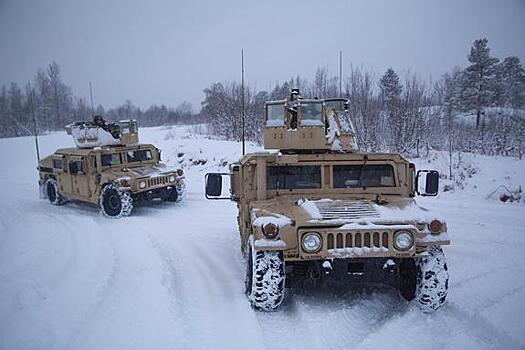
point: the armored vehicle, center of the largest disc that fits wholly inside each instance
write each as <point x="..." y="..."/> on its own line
<point x="110" y="168"/>
<point x="317" y="211"/>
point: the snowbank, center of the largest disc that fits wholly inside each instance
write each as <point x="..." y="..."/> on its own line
<point x="171" y="276"/>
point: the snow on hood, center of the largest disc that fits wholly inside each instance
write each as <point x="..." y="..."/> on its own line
<point x="362" y="211"/>
<point x="148" y="170"/>
<point x="262" y="217"/>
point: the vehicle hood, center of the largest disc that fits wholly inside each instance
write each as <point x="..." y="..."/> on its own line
<point x="338" y="212"/>
<point x="141" y="172"/>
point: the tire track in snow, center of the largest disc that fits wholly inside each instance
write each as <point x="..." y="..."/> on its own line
<point x="475" y="324"/>
<point x="369" y="315"/>
<point x="177" y="300"/>
<point x="209" y="281"/>
<point x="464" y="281"/>
<point x="192" y="287"/>
<point x="106" y="285"/>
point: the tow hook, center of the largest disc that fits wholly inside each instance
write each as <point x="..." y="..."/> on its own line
<point x="389" y="266"/>
<point x="327" y="267"/>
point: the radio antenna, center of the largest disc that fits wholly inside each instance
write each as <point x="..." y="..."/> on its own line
<point x="91" y="98"/>
<point x="34" y="120"/>
<point x="242" y="101"/>
<point x="341" y="73"/>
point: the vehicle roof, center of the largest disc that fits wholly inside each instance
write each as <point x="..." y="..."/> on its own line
<point x="324" y="156"/>
<point x="86" y="151"/>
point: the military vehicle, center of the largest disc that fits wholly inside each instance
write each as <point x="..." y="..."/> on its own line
<point x="317" y="211"/>
<point x="110" y="168"/>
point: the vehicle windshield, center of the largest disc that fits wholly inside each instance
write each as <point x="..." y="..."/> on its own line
<point x="275" y="115"/>
<point x="312" y="114"/>
<point x="373" y="175"/>
<point x="139" y="155"/>
<point x="110" y="159"/>
<point x="293" y="177"/>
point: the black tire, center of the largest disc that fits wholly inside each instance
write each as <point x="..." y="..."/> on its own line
<point x="53" y="195"/>
<point x="266" y="290"/>
<point x="408" y="278"/>
<point x="248" y="268"/>
<point x="171" y="195"/>
<point x="432" y="280"/>
<point x="114" y="202"/>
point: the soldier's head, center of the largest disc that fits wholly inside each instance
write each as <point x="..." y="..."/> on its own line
<point x="98" y="119"/>
<point x="295" y="95"/>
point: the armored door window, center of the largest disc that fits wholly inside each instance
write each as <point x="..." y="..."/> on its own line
<point x="275" y="115"/>
<point x="139" y="156"/>
<point x="312" y="114"/>
<point x="58" y="163"/>
<point x="110" y="159"/>
<point x="128" y="126"/>
<point x="373" y="175"/>
<point x="76" y="166"/>
<point x="293" y="177"/>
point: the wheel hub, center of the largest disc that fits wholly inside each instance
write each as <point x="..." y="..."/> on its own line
<point x="114" y="202"/>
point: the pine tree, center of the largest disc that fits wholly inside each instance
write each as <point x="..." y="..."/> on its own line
<point x="512" y="77"/>
<point x="478" y="81"/>
<point x="391" y="96"/>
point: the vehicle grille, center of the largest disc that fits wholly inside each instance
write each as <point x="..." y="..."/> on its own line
<point x="359" y="240"/>
<point x="158" y="181"/>
<point x="346" y="210"/>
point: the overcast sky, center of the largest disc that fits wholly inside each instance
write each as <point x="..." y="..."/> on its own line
<point x="167" y="51"/>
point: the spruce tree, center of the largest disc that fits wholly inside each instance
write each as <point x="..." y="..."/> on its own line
<point x="512" y="77"/>
<point x="478" y="81"/>
<point x="391" y="96"/>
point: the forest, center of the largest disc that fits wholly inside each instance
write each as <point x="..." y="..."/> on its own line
<point x="478" y="108"/>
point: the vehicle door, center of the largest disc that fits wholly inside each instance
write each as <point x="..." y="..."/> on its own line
<point x="61" y="176"/>
<point x="79" y="173"/>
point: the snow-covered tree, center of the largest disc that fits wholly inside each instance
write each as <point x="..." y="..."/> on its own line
<point x="391" y="90"/>
<point x="511" y="80"/>
<point x="364" y="108"/>
<point x="478" y="81"/>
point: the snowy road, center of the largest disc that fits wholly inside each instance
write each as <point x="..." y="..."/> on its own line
<point x="171" y="275"/>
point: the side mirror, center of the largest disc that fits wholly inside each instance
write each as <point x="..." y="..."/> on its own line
<point x="214" y="185"/>
<point x="427" y="183"/>
<point x="73" y="168"/>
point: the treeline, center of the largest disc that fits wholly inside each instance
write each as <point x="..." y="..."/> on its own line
<point x="477" y="109"/>
<point x="54" y="106"/>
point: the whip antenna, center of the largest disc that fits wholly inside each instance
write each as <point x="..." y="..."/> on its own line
<point x="91" y="98"/>
<point x="34" y="120"/>
<point x="242" y="99"/>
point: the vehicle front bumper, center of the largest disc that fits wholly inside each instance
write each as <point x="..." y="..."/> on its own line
<point x="344" y="272"/>
<point x="161" y="191"/>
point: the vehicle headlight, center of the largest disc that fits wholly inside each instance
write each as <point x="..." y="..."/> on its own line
<point x="172" y="178"/>
<point x="270" y="230"/>
<point x="435" y="227"/>
<point x="142" y="184"/>
<point x="312" y="242"/>
<point x="403" y="240"/>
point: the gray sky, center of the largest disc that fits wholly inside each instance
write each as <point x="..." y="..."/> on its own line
<point x="163" y="51"/>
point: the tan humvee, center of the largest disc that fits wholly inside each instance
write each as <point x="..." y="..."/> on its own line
<point x="108" y="168"/>
<point x="318" y="210"/>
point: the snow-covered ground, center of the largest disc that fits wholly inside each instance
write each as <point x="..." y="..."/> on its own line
<point x="171" y="275"/>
